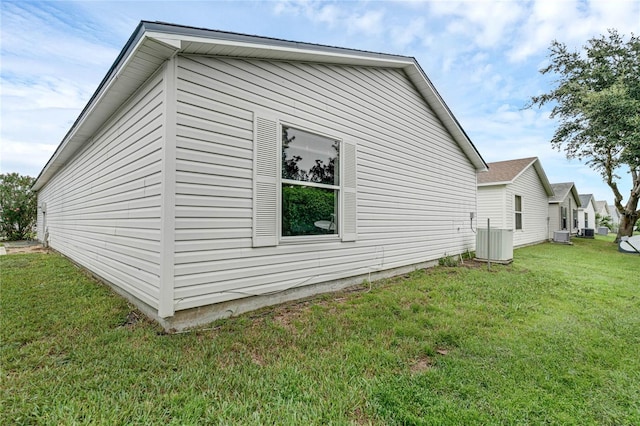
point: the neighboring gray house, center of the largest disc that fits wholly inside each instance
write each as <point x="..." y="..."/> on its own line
<point x="602" y="208"/>
<point x="563" y="208"/>
<point x="212" y="173"/>
<point x="587" y="212"/>
<point x="615" y="217"/>
<point x="514" y="194"/>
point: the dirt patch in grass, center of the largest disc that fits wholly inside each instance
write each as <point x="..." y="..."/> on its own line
<point x="24" y="248"/>
<point x="421" y="364"/>
<point x="474" y="264"/>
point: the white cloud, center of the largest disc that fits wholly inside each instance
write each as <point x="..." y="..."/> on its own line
<point x="402" y="36"/>
<point x="46" y="92"/>
<point x="350" y="16"/>
<point x="483" y="56"/>
<point x="367" y="23"/>
<point x="329" y="14"/>
<point x="51" y="64"/>
<point x="24" y="157"/>
<point x="572" y="22"/>
<point x="487" y="24"/>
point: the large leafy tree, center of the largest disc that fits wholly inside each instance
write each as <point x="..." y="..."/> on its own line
<point x="18" y="206"/>
<point x="596" y="100"/>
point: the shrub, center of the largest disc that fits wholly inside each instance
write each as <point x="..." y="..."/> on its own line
<point x="18" y="206"/>
<point x="302" y="206"/>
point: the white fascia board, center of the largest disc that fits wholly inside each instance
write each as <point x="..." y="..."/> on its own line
<point x="173" y="42"/>
<point x="298" y="53"/>
<point x="524" y="169"/>
<point x="543" y="178"/>
<point x="495" y="183"/>
<point x="576" y="196"/>
<point x="435" y="101"/>
<point x="286" y="50"/>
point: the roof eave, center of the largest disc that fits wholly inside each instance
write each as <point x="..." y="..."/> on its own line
<point x="506" y="182"/>
<point x="175" y="39"/>
<point x="537" y="165"/>
<point x="75" y="137"/>
<point x="576" y="196"/>
<point x="428" y="91"/>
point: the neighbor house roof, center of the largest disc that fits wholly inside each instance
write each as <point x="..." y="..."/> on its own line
<point x="602" y="205"/>
<point x="561" y="192"/>
<point x="505" y="172"/>
<point x="584" y="200"/>
<point x="152" y="43"/>
<point x="613" y="211"/>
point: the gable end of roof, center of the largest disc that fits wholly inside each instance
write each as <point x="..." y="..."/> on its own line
<point x="159" y="41"/>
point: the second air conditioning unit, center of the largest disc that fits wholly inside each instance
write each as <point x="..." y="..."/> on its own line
<point x="561" y="237"/>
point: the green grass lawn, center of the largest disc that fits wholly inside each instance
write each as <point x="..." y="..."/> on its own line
<point x="553" y="338"/>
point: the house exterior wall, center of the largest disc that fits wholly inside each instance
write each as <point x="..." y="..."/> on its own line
<point x="492" y="204"/>
<point x="604" y="210"/>
<point x="497" y="202"/>
<point x="555" y="218"/>
<point x="535" y="203"/>
<point x="591" y="216"/>
<point x="102" y="209"/>
<point x="555" y="215"/>
<point x="573" y="202"/>
<point x="415" y="187"/>
<point x="615" y="217"/>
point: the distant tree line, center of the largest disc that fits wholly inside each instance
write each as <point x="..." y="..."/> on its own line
<point x="18" y="207"/>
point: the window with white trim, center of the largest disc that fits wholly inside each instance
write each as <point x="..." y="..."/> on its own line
<point x="563" y="212"/>
<point x="310" y="183"/>
<point x="304" y="184"/>
<point x="518" y="211"/>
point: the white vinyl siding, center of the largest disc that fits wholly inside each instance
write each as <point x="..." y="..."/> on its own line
<point x="555" y="215"/>
<point x="492" y="205"/>
<point x="590" y="212"/>
<point x="103" y="207"/>
<point x="497" y="202"/>
<point x="555" y="219"/>
<point x="413" y="191"/>
<point x="535" y="210"/>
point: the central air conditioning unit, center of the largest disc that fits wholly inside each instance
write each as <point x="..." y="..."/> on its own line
<point x="603" y="230"/>
<point x="588" y="232"/>
<point x="561" y="237"/>
<point x="495" y="245"/>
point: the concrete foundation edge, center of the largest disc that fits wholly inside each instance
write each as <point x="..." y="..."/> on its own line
<point x="195" y="317"/>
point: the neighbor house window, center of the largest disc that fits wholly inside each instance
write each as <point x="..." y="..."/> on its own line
<point x="310" y="183"/>
<point x="586" y="219"/>
<point x="563" y="213"/>
<point x="518" y="210"/>
<point x="575" y="218"/>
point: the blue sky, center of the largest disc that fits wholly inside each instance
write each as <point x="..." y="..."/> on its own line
<point x="483" y="57"/>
